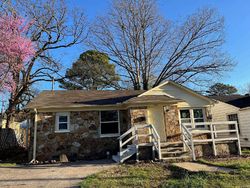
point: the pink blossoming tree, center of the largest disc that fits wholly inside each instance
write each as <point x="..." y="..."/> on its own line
<point x="15" y="50"/>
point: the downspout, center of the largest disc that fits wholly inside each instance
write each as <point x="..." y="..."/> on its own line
<point x="35" y="138"/>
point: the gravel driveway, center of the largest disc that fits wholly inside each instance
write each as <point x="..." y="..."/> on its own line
<point x="53" y="175"/>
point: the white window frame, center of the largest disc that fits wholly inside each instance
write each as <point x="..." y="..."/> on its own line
<point x="191" y="111"/>
<point x="118" y="121"/>
<point x="238" y="121"/>
<point x="58" y="114"/>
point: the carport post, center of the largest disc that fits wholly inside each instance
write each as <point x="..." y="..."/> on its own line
<point x="34" y="143"/>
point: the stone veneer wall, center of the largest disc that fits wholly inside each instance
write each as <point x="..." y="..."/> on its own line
<point x="223" y="149"/>
<point x="139" y="117"/>
<point x="83" y="140"/>
<point x="172" y="125"/>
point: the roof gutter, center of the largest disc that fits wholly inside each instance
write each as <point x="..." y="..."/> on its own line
<point x="246" y="108"/>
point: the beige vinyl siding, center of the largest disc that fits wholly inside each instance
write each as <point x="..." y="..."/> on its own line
<point x="191" y="100"/>
<point x="244" y="116"/>
<point x="219" y="112"/>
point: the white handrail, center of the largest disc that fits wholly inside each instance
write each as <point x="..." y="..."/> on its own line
<point x="211" y="129"/>
<point x="208" y="123"/>
<point x="126" y="133"/>
<point x="189" y="139"/>
<point x="158" y="139"/>
<point x="154" y="138"/>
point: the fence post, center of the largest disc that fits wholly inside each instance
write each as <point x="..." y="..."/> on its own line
<point x="213" y="141"/>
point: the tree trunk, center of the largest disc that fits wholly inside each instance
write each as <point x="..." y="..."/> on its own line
<point x="9" y="113"/>
<point x="137" y="86"/>
<point x="145" y="86"/>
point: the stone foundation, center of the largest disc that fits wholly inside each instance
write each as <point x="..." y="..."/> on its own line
<point x="223" y="149"/>
<point x="82" y="142"/>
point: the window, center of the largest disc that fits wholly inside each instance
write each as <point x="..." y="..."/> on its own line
<point x="198" y="117"/>
<point x="62" y="122"/>
<point x="192" y="116"/>
<point x="109" y="121"/>
<point x="233" y="117"/>
<point x="185" y="116"/>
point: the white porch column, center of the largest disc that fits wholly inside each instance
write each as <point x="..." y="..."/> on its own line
<point x="35" y="137"/>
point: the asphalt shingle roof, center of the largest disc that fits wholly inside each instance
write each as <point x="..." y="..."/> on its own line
<point x="80" y="98"/>
<point x="239" y="101"/>
<point x="66" y="98"/>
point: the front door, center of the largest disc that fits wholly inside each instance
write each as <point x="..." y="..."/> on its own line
<point x="172" y="123"/>
<point x="156" y="118"/>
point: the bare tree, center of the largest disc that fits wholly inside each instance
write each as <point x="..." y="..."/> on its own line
<point x="195" y="50"/>
<point x="145" y="45"/>
<point x="134" y="36"/>
<point x="54" y="26"/>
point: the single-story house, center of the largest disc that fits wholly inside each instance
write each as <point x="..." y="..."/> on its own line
<point x="234" y="108"/>
<point x="166" y="122"/>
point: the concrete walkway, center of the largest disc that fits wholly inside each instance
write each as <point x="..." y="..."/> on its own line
<point x="53" y="175"/>
<point x="197" y="167"/>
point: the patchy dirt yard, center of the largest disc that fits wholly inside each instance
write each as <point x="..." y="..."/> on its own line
<point x="167" y="175"/>
<point x="54" y="175"/>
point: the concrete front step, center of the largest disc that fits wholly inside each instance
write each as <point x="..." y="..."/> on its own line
<point x="174" y="154"/>
<point x="172" y="149"/>
<point x="171" y="144"/>
<point x="177" y="159"/>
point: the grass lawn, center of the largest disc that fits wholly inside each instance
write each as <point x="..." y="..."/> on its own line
<point x="163" y="175"/>
<point x="246" y="151"/>
<point x="7" y="164"/>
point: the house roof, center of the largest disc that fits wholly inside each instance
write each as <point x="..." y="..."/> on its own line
<point x="78" y="98"/>
<point x="152" y="99"/>
<point x="239" y="101"/>
<point x="226" y="98"/>
<point x="105" y="98"/>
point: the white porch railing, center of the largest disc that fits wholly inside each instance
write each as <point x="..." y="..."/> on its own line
<point x="218" y="131"/>
<point x="132" y="137"/>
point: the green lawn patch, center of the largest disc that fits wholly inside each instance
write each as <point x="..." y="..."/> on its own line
<point x="7" y="164"/>
<point x="162" y="175"/>
<point x="137" y="175"/>
<point x="239" y="163"/>
<point x="246" y="151"/>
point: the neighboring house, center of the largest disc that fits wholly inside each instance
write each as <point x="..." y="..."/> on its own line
<point x="18" y="127"/>
<point x="234" y="108"/>
<point x="97" y="124"/>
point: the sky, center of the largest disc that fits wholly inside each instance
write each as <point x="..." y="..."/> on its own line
<point x="237" y="31"/>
